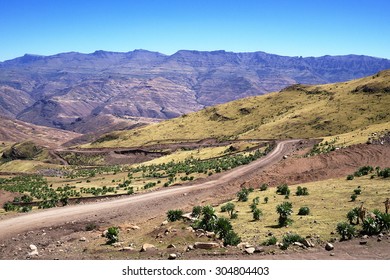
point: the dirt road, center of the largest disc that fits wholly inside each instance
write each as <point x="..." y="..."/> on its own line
<point x="148" y="202"/>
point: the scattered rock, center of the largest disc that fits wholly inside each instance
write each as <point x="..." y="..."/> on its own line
<point x="147" y="247"/>
<point x="190" y="248"/>
<point x="190" y="229"/>
<point x="270" y="233"/>
<point x="380" y="235"/>
<point x="171" y="246"/>
<point x="34" y="251"/>
<point x="299" y="244"/>
<point x="379" y="239"/>
<point x="285" y="157"/>
<point x="206" y="245"/>
<point x="308" y="243"/>
<point x="363" y="242"/>
<point x="172" y="257"/>
<point x="104" y="233"/>
<point x="365" y="237"/>
<point x="329" y="246"/>
<point x="250" y="251"/>
<point x="332" y="254"/>
<point x="243" y="245"/>
<point x="134" y="227"/>
<point x="210" y="234"/>
<point x="164" y="223"/>
<point x="33" y="247"/>
<point x="83" y="239"/>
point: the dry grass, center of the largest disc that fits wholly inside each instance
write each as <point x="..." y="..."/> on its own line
<point x="329" y="201"/>
<point x="297" y="112"/>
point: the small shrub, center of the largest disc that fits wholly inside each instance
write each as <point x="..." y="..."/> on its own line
<point x="290" y="238"/>
<point x="346" y="230"/>
<point x="350" y="177"/>
<point x="196" y="211"/>
<point x="232" y="239"/>
<point x="25" y="209"/>
<point x="130" y="190"/>
<point x="253" y="207"/>
<point x="266" y="199"/>
<point x="284" y="210"/>
<point x="257" y="213"/>
<point x="357" y="191"/>
<point x="371" y="226"/>
<point x="9" y="206"/>
<point x="270" y="241"/>
<point x="174" y="215"/>
<point x="353" y="215"/>
<point x="112" y="235"/>
<point x="383" y="220"/>
<point x="353" y="197"/>
<point x="242" y="195"/>
<point x="302" y="191"/>
<point x="223" y="227"/>
<point x="256" y="200"/>
<point x="263" y="187"/>
<point x="303" y="211"/>
<point x="283" y="189"/>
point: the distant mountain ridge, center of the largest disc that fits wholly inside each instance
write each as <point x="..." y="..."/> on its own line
<point x="61" y="90"/>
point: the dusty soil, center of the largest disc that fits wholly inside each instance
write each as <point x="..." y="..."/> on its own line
<point x="58" y="231"/>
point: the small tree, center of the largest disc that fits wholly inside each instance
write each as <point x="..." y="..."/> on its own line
<point x="230" y="209"/>
<point x="353" y="197"/>
<point x="266" y="199"/>
<point x="232" y="239"/>
<point x="263" y="187"/>
<point x="112" y="235"/>
<point x="222" y="227"/>
<point x="302" y="191"/>
<point x="283" y="189"/>
<point x="257" y="213"/>
<point x="242" y="195"/>
<point x="209" y="218"/>
<point x="284" y="210"/>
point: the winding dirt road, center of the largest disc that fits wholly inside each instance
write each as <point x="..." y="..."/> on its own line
<point x="107" y="209"/>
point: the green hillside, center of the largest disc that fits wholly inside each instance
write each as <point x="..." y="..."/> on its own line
<point x="299" y="111"/>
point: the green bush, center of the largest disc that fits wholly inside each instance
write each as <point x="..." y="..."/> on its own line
<point x="257" y="213"/>
<point x="346" y="230"/>
<point x="222" y="227"/>
<point x="350" y="177"/>
<point x="284" y="210"/>
<point x="174" y="215"/>
<point x="303" y="211"/>
<point x="25" y="209"/>
<point x="232" y="239"/>
<point x="383" y="220"/>
<point x="112" y="235"/>
<point x="263" y="187"/>
<point x="371" y="226"/>
<point x="357" y="191"/>
<point x="283" y="189"/>
<point x="242" y="195"/>
<point x="302" y="191"/>
<point x="270" y="241"/>
<point x="196" y="211"/>
<point x="353" y="197"/>
<point x="353" y="215"/>
<point x="266" y="199"/>
<point x="9" y="206"/>
<point x="208" y="219"/>
<point x="290" y="238"/>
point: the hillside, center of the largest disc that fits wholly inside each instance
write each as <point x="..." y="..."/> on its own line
<point x="68" y="90"/>
<point x="298" y="111"/>
<point x="18" y="131"/>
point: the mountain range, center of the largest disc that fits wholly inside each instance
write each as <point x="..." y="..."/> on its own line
<point x="79" y="92"/>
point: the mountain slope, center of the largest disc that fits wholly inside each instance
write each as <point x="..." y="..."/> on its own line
<point x="18" y="131"/>
<point x="298" y="111"/>
<point x="60" y="89"/>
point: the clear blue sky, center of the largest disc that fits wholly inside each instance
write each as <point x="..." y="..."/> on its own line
<point x="294" y="28"/>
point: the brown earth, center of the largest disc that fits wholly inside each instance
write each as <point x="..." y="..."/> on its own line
<point x="148" y="211"/>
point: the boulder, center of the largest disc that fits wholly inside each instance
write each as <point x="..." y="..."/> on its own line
<point x="33" y="247"/>
<point x="164" y="223"/>
<point x="83" y="239"/>
<point x="250" y="250"/>
<point x="299" y="244"/>
<point x="172" y="257"/>
<point x="363" y="242"/>
<point x="127" y="249"/>
<point x="308" y="243"/>
<point x="135" y="227"/>
<point x="147" y="247"/>
<point x="329" y="246"/>
<point x="190" y="248"/>
<point x="171" y="246"/>
<point x="206" y="245"/>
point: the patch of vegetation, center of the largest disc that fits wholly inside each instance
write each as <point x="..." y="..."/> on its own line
<point x="283" y="189"/>
<point x="302" y="191"/>
<point x="242" y="195"/>
<point x="304" y="211"/>
<point x="290" y="238"/>
<point x="257" y="213"/>
<point x="263" y="187"/>
<point x="284" y="210"/>
<point x="174" y="215"/>
<point x="270" y="241"/>
<point x="347" y="231"/>
<point x="323" y="148"/>
<point x="112" y="235"/>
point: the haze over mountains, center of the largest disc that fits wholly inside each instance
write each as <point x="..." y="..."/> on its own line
<point x="79" y="92"/>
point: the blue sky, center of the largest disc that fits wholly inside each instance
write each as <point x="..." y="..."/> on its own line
<point x="293" y="28"/>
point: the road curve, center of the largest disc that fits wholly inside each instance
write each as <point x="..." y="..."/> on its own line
<point x="57" y="216"/>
